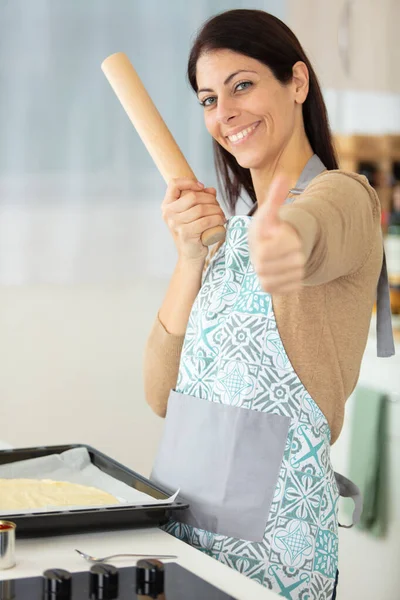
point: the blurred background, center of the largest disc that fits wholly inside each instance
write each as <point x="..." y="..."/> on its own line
<point x="84" y="254"/>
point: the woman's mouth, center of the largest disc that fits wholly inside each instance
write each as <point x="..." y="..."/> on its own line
<point x="243" y="135"/>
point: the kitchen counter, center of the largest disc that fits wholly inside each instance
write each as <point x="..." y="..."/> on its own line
<point x="35" y="555"/>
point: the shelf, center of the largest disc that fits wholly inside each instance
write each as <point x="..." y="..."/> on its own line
<point x="377" y="154"/>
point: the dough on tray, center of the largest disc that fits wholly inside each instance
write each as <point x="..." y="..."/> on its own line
<point x="16" y="494"/>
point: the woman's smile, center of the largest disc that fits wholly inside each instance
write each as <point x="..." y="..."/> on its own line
<point x="241" y="136"/>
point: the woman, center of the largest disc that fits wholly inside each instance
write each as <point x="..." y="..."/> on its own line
<point x="276" y="324"/>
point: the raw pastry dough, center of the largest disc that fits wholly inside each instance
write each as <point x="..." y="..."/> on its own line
<point x="42" y="493"/>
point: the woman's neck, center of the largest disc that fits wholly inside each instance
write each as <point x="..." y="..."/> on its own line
<point x="290" y="162"/>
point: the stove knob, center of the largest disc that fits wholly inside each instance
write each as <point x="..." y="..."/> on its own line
<point x="103" y="582"/>
<point x="57" y="584"/>
<point x="149" y="577"/>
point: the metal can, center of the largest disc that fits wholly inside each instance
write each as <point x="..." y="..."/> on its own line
<point x="7" y="589"/>
<point x="7" y="544"/>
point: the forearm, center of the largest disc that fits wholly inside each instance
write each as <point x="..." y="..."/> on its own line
<point x="183" y="288"/>
<point x="164" y="345"/>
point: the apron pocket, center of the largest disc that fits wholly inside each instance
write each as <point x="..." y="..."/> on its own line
<point x="226" y="462"/>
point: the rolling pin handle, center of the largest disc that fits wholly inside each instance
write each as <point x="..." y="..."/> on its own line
<point x="150" y="126"/>
<point x="213" y="235"/>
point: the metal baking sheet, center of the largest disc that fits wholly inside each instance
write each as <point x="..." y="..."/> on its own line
<point x="75" y="466"/>
<point x="155" y="509"/>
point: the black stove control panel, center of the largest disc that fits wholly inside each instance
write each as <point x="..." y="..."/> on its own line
<point x="150" y="579"/>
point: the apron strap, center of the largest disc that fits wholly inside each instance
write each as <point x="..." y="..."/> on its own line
<point x="348" y="489"/>
<point x="314" y="167"/>
<point x="384" y="332"/>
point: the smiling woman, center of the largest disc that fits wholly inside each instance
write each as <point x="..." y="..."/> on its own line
<point x="253" y="355"/>
<point x="276" y="65"/>
<point x="260" y="107"/>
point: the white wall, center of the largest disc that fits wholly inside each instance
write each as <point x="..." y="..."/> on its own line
<point x="71" y="367"/>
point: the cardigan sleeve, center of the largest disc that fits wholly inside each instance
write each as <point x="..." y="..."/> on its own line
<point x="337" y="218"/>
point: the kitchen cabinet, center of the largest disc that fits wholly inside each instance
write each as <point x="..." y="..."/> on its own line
<point x="353" y="44"/>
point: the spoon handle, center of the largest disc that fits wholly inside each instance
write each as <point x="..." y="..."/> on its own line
<point x="136" y="556"/>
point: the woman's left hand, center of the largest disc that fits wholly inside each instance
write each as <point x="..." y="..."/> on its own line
<point x="276" y="249"/>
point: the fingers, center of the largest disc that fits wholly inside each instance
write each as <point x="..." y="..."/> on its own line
<point x="291" y="262"/>
<point x="197" y="228"/>
<point x="189" y="209"/>
<point x="268" y="213"/>
<point x="278" y="258"/>
<point x="281" y="274"/>
<point x="189" y="200"/>
<point x="278" y="245"/>
<point x="200" y="211"/>
<point x="178" y="185"/>
<point x="282" y="281"/>
<point x="198" y="214"/>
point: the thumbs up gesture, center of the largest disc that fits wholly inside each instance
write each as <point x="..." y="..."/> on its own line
<point x="276" y="249"/>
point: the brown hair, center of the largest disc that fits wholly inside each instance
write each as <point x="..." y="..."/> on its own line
<point x="261" y="36"/>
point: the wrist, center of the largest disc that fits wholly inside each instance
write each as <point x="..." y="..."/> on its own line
<point x="192" y="265"/>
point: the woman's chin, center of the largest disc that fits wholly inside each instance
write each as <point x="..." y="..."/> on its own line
<point x="250" y="162"/>
<point x="249" y="159"/>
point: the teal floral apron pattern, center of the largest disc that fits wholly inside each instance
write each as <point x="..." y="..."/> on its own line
<point x="233" y="355"/>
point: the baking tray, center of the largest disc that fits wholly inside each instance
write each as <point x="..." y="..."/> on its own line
<point x="92" y="519"/>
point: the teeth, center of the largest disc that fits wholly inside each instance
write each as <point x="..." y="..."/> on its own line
<point x="241" y="134"/>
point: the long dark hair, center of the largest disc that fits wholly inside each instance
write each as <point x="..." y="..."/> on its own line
<point x="262" y="36"/>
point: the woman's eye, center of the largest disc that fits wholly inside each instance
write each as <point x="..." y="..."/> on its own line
<point x="239" y="87"/>
<point x="243" y="85"/>
<point x="208" y="101"/>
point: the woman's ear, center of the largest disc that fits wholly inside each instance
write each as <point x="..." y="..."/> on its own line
<point x="300" y="81"/>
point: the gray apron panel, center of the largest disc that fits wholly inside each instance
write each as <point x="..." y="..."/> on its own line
<point x="348" y="489"/>
<point x="207" y="451"/>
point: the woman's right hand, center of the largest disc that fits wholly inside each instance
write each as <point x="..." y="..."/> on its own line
<point x="189" y="209"/>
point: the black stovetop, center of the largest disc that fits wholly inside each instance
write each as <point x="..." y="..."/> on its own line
<point x="179" y="584"/>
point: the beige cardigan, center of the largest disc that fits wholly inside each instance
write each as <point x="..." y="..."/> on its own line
<point x="324" y="327"/>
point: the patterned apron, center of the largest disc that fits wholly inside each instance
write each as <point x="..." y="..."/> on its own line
<point x="245" y="442"/>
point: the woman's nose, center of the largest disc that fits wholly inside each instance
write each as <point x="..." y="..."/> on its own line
<point x="226" y="110"/>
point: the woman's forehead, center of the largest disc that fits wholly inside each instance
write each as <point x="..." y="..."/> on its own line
<point x="216" y="65"/>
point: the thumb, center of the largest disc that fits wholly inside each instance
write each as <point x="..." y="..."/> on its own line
<point x="277" y="194"/>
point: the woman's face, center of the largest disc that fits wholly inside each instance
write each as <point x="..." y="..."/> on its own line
<point x="246" y="109"/>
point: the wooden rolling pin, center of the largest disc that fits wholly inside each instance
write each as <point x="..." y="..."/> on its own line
<point x="149" y="124"/>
